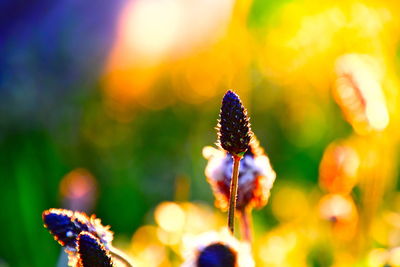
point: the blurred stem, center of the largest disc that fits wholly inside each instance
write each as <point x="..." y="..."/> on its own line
<point x="246" y="224"/>
<point x="119" y="255"/>
<point x="233" y="193"/>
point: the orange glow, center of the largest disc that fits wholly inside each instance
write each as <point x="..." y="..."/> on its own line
<point x="341" y="211"/>
<point x="336" y="207"/>
<point x="79" y="189"/>
<point x="152" y="33"/>
<point x="339" y="168"/>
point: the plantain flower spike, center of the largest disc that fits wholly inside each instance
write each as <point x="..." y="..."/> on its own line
<point x="66" y="225"/>
<point x="92" y="252"/>
<point x="234" y="132"/>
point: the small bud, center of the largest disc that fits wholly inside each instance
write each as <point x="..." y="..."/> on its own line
<point x="92" y="252"/>
<point x="233" y="125"/>
<point x="217" y="255"/>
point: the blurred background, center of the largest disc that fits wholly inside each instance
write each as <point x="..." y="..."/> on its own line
<point x="105" y="107"/>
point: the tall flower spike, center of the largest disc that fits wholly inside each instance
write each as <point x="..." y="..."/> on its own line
<point x="234" y="136"/>
<point x="92" y="252"/>
<point x="66" y="226"/>
<point x="234" y="127"/>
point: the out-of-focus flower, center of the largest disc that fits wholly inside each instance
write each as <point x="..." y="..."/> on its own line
<point x="285" y="245"/>
<point x="92" y="252"/>
<point x="385" y="228"/>
<point x="256" y="177"/>
<point x="78" y="189"/>
<point x="378" y="257"/>
<point x="336" y="208"/>
<point x="234" y="133"/>
<point x="342" y="212"/>
<point x="153" y="245"/>
<point x="216" y="249"/>
<point x="146" y="248"/>
<point x="290" y="203"/>
<point x="339" y="168"/>
<point x="66" y="225"/>
<point x="359" y="93"/>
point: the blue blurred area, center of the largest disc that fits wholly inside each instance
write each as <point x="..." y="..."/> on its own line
<point x="51" y="56"/>
<point x="49" y="51"/>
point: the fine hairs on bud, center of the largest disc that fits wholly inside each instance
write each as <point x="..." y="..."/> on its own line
<point x="66" y="225"/>
<point x="234" y="132"/>
<point x="85" y="239"/>
<point x="92" y="252"/>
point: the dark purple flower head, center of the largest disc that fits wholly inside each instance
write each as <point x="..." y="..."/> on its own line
<point x="66" y="225"/>
<point x="217" y="255"/>
<point x="92" y="252"/>
<point x="234" y="127"/>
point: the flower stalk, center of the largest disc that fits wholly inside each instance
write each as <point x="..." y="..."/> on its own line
<point x="234" y="135"/>
<point x="246" y="224"/>
<point x="233" y="192"/>
<point x="120" y="256"/>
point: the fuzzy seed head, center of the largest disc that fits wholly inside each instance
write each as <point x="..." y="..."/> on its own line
<point x="234" y="131"/>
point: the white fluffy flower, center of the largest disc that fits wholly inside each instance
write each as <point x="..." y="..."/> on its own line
<point x="194" y="246"/>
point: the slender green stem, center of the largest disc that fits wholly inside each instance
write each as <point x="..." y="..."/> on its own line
<point x="233" y="193"/>
<point x="120" y="256"/>
<point x="246" y="224"/>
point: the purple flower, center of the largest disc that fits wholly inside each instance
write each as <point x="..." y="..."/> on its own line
<point x="67" y="225"/>
<point x="234" y="127"/>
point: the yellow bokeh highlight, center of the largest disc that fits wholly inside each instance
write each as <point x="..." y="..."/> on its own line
<point x="170" y="217"/>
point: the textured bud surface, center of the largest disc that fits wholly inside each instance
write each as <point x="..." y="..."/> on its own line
<point x="234" y="126"/>
<point x="66" y="225"/>
<point x="92" y="252"/>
